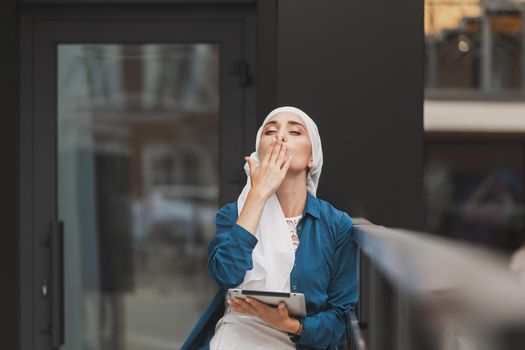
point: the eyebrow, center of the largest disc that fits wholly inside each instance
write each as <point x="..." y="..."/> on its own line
<point x="291" y="122"/>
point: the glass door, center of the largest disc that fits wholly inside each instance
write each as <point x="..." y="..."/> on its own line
<point x="129" y="133"/>
<point x="138" y="184"/>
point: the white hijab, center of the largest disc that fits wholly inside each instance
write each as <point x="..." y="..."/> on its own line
<point x="274" y="256"/>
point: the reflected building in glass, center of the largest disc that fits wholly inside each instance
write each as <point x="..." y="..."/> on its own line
<point x="138" y="189"/>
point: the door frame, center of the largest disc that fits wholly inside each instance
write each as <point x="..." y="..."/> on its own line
<point x="40" y="27"/>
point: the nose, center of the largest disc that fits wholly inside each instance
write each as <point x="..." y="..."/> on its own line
<point x="283" y="136"/>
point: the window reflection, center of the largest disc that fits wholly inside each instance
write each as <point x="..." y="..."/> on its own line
<point x="476" y="199"/>
<point x="138" y="190"/>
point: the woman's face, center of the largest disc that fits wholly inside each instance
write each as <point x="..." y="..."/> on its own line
<point x="292" y="129"/>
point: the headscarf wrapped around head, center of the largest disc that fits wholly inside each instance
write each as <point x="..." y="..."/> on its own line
<point x="273" y="257"/>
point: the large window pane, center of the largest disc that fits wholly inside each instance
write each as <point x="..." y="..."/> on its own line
<point x="138" y="190"/>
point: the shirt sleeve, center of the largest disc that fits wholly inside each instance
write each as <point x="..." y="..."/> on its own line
<point x="230" y="252"/>
<point x="329" y="328"/>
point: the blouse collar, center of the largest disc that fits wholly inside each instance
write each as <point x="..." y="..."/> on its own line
<point x="312" y="206"/>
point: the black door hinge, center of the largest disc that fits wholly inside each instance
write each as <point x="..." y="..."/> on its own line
<point x="242" y="70"/>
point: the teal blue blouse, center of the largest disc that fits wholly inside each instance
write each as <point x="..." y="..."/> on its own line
<point x="326" y="271"/>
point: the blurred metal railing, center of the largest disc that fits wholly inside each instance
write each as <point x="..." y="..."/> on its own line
<point x="423" y="292"/>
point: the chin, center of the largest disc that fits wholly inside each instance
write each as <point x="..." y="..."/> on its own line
<point x="297" y="170"/>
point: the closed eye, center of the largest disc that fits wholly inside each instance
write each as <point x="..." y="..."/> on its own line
<point x="291" y="132"/>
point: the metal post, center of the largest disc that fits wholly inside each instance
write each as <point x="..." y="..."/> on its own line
<point x="522" y="58"/>
<point x="486" y="51"/>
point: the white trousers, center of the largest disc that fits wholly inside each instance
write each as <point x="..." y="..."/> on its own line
<point x="235" y="331"/>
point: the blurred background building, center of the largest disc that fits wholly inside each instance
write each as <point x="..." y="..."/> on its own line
<point x="474" y="109"/>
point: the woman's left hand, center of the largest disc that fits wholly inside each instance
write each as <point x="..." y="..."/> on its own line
<point x="276" y="317"/>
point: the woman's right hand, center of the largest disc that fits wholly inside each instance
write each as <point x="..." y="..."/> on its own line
<point x="268" y="176"/>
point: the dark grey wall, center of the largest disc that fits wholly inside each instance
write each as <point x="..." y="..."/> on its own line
<point x="8" y="176"/>
<point x="266" y="63"/>
<point x="355" y="66"/>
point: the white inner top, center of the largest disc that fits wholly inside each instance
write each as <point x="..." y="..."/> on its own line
<point x="292" y="227"/>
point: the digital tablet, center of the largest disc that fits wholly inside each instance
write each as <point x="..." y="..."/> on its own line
<point x="294" y="301"/>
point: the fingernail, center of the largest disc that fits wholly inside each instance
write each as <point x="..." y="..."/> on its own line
<point x="249" y="300"/>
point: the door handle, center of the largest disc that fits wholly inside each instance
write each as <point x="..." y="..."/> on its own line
<point x="57" y="283"/>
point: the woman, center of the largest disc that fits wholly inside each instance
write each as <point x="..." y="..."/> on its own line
<point x="278" y="236"/>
